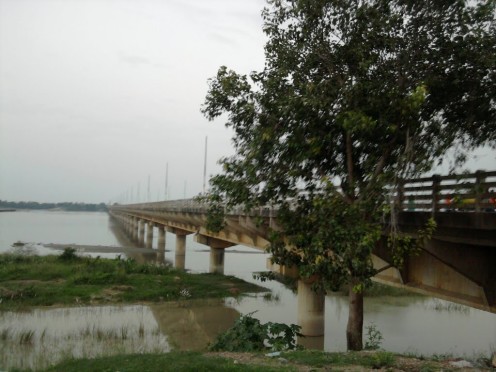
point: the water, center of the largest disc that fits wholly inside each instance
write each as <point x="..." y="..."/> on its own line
<point x="421" y="325"/>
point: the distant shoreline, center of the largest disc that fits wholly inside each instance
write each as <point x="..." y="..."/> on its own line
<point x="7" y="210"/>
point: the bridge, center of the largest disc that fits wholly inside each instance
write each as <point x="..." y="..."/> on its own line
<point x="457" y="264"/>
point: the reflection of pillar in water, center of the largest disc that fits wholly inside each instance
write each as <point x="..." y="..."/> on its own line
<point x="161" y="238"/>
<point x="311" y="343"/>
<point x="216" y="260"/>
<point x="310" y="310"/>
<point x="149" y="234"/>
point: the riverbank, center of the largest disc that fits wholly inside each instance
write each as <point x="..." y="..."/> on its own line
<point x="68" y="280"/>
<point x="304" y="360"/>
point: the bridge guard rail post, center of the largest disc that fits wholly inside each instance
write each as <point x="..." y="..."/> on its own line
<point x="436" y="186"/>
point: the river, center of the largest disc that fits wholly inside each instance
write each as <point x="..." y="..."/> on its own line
<point x="409" y="324"/>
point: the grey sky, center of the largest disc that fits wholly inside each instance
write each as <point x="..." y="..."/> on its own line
<point x="97" y="95"/>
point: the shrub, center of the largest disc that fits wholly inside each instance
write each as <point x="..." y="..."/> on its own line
<point x="248" y="334"/>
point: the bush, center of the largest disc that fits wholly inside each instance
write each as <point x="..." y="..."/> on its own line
<point x="248" y="334"/>
<point x="69" y="254"/>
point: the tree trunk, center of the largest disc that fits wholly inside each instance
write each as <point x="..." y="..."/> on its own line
<point x="354" y="330"/>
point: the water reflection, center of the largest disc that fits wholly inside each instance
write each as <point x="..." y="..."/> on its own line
<point x="41" y="337"/>
<point x="38" y="338"/>
<point x="193" y="325"/>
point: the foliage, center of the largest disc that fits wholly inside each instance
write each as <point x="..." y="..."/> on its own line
<point x="354" y="97"/>
<point x="403" y="246"/>
<point x="216" y="213"/>
<point x="248" y="334"/>
<point x="374" y="337"/>
<point x="66" y="206"/>
<point x="68" y="254"/>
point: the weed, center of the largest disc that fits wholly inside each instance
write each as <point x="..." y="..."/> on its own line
<point x="248" y="334"/>
<point x="381" y="359"/>
<point x="374" y="337"/>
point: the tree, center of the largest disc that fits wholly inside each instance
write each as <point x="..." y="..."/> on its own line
<point x="354" y="96"/>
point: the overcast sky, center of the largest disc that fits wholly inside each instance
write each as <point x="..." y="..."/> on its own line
<point x="98" y="95"/>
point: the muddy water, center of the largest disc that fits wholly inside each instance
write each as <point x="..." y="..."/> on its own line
<point x="408" y="324"/>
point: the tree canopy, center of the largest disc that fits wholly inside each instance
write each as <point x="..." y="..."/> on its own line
<point x="354" y="96"/>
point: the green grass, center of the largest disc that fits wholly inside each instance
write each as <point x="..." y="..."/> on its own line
<point x="49" y="280"/>
<point x="174" y="361"/>
<point x="195" y="361"/>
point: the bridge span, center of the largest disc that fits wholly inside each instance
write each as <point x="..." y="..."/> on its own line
<point x="458" y="264"/>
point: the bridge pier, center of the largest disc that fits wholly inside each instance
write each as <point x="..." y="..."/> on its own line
<point x="217" y="247"/>
<point x="216" y="261"/>
<point x="180" y="252"/>
<point x="135" y="232"/>
<point x="311" y="305"/>
<point x="161" y="238"/>
<point x="149" y="234"/>
<point x="141" y="231"/>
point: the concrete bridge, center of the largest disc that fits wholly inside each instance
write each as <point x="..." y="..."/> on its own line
<point x="457" y="264"/>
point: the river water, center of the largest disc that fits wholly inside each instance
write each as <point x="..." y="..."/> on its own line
<point x="409" y="324"/>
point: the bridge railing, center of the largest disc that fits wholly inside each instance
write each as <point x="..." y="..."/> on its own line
<point x="462" y="192"/>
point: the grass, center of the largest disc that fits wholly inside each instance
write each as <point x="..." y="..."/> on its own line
<point x="287" y="361"/>
<point x="174" y="361"/>
<point x="27" y="281"/>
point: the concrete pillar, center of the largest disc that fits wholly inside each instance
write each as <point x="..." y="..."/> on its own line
<point x="216" y="260"/>
<point x="180" y="244"/>
<point x="180" y="257"/>
<point x="129" y="225"/>
<point x="149" y="234"/>
<point x="161" y="238"/>
<point x="180" y="262"/>
<point x="141" y="233"/>
<point x="311" y="314"/>
<point x="135" y="234"/>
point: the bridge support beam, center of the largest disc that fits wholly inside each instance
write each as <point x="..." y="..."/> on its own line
<point x="149" y="234"/>
<point x="180" y="253"/>
<point x="217" y="247"/>
<point x="311" y="305"/>
<point x="216" y="261"/>
<point x="161" y="238"/>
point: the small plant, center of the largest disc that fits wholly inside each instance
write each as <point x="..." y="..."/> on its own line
<point x="382" y="359"/>
<point x="69" y="254"/>
<point x="374" y="337"/>
<point x="248" y="334"/>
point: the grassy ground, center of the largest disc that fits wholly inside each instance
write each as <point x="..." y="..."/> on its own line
<point x="288" y="361"/>
<point x="27" y="281"/>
